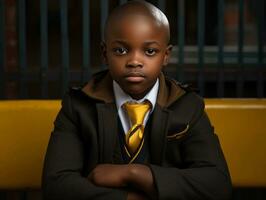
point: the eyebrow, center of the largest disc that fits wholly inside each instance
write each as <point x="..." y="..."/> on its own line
<point x="124" y="42"/>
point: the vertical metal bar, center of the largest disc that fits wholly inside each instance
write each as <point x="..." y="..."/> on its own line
<point x="44" y="48"/>
<point x="22" y="48"/>
<point x="23" y="195"/>
<point x="122" y="1"/>
<point x="86" y="40"/>
<point x="104" y="14"/>
<point x="161" y="4"/>
<point x="2" y="50"/>
<point x="260" y="27"/>
<point x="201" y="42"/>
<point x="240" y="78"/>
<point x="64" y="44"/>
<point x="3" y="194"/>
<point x="181" y="39"/>
<point x="220" y="17"/>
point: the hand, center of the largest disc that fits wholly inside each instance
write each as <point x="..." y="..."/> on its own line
<point x="108" y="175"/>
<point x="140" y="177"/>
<point x="133" y="175"/>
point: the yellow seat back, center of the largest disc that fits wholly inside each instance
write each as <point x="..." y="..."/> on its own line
<point x="25" y="128"/>
<point x="241" y="127"/>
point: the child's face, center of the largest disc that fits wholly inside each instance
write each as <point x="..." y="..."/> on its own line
<point x="135" y="51"/>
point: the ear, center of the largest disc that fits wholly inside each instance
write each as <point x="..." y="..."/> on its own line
<point x="104" y="53"/>
<point x="167" y="54"/>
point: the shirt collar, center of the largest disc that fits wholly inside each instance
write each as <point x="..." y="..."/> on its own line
<point x="121" y="97"/>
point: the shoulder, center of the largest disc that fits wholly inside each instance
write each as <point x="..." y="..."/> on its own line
<point x="189" y="96"/>
<point x="75" y="101"/>
<point x="75" y="95"/>
<point x="191" y="100"/>
<point x="188" y="108"/>
<point x="181" y="95"/>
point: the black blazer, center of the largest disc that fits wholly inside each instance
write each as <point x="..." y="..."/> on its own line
<point x="185" y="155"/>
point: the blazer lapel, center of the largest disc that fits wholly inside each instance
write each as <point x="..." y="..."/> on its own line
<point x="107" y="121"/>
<point x="159" y="129"/>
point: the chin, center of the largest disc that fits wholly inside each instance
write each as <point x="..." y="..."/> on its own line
<point x="136" y="94"/>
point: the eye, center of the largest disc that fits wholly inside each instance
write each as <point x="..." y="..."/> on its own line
<point x="120" y="50"/>
<point x="150" y="52"/>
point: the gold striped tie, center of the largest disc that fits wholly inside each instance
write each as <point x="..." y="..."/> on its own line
<point x="134" y="137"/>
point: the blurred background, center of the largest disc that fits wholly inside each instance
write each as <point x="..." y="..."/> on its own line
<point x="47" y="46"/>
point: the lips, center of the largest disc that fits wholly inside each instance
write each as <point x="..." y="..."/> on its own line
<point x="134" y="77"/>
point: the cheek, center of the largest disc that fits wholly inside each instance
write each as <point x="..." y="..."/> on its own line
<point x="116" y="61"/>
<point x="156" y="64"/>
<point x="116" y="68"/>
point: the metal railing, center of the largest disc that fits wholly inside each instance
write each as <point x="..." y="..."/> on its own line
<point x="182" y="65"/>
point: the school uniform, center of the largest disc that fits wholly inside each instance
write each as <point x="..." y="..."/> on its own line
<point x="180" y="145"/>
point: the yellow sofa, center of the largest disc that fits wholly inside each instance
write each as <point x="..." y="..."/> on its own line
<point x="25" y="127"/>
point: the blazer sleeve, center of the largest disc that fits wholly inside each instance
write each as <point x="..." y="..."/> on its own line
<point x="205" y="174"/>
<point x="64" y="162"/>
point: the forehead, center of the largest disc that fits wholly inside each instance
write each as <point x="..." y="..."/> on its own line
<point x="135" y="26"/>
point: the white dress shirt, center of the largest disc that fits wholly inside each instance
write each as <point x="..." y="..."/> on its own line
<point x="121" y="97"/>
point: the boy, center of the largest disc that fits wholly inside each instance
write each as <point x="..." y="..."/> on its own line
<point x="131" y="132"/>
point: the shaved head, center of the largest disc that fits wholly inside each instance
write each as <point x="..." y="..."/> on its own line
<point x="138" y="10"/>
<point x="135" y="46"/>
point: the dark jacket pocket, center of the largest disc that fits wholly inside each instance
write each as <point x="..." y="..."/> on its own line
<point x="177" y="134"/>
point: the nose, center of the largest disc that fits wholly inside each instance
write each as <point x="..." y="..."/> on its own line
<point x="134" y="60"/>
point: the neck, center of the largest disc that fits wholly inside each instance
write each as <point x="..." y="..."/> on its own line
<point x="141" y="95"/>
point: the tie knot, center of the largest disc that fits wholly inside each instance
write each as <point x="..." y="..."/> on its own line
<point x="137" y="111"/>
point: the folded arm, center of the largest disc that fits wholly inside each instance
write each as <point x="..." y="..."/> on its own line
<point x="134" y="176"/>
<point x="63" y="173"/>
<point x="204" y="173"/>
